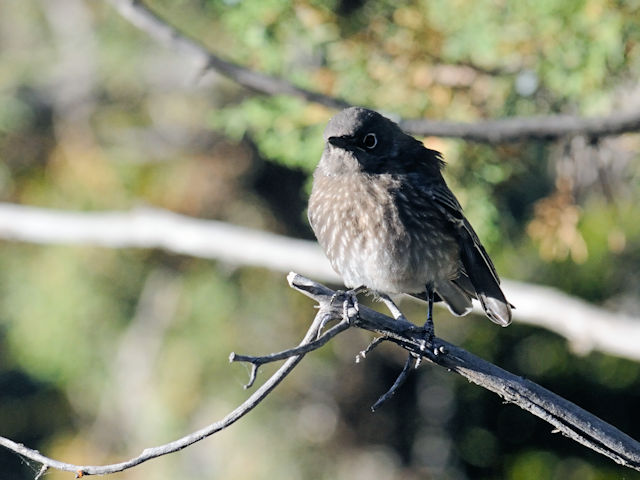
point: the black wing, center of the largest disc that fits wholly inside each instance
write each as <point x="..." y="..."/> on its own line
<point x="477" y="264"/>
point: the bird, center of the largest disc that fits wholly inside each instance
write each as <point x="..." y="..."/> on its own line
<point x="389" y="224"/>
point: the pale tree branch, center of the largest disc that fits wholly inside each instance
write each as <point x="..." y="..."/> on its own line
<point x="566" y="417"/>
<point x="585" y="326"/>
<point x="511" y="129"/>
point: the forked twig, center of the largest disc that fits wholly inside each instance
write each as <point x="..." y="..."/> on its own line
<point x="179" y="444"/>
<point x="302" y="349"/>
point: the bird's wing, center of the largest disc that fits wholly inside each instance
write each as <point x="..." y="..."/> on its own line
<point x="477" y="264"/>
<point x="449" y="205"/>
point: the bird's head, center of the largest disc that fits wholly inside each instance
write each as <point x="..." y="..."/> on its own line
<point x="361" y="140"/>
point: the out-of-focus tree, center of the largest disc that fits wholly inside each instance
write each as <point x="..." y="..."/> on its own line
<point x="103" y="352"/>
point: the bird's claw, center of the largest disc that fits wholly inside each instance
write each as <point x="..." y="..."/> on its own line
<point x="350" y="305"/>
<point x="427" y="342"/>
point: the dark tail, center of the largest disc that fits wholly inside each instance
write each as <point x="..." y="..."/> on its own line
<point x="483" y="277"/>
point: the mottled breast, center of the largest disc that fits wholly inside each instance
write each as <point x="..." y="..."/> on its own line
<point x="361" y="222"/>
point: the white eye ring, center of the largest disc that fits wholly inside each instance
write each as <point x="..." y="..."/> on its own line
<point x="370" y="141"/>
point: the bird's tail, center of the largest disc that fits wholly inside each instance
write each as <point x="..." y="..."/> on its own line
<point x="458" y="301"/>
<point x="484" y="279"/>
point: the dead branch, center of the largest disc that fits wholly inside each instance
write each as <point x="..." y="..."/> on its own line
<point x="512" y="129"/>
<point x="566" y="417"/>
<point x="585" y="326"/>
<point x="153" y="452"/>
<point x="146" y="20"/>
<point x="490" y="131"/>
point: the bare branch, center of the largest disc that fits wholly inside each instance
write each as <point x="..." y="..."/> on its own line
<point x="142" y="17"/>
<point x="492" y="131"/>
<point x="404" y="374"/>
<point x="256" y="362"/>
<point x="362" y="354"/>
<point x="512" y="129"/>
<point x="566" y="417"/>
<point x="42" y="471"/>
<point x="154" y="452"/>
<point x="586" y="326"/>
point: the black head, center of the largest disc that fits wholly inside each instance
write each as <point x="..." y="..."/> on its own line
<point x="359" y="139"/>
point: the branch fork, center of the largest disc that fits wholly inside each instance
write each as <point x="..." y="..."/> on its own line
<point x="566" y="417"/>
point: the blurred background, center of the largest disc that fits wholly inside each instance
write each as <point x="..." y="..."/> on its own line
<point x="104" y="352"/>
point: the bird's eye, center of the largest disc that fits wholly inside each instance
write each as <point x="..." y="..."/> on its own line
<point x="370" y="141"/>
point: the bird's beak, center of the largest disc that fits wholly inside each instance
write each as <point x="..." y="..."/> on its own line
<point x="340" y="142"/>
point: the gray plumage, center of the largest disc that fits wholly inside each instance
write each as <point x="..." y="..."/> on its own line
<point x="386" y="219"/>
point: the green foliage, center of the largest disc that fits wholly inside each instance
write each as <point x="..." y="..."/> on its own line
<point x="284" y="129"/>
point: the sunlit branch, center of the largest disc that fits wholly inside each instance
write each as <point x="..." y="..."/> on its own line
<point x="585" y="326"/>
<point x="567" y="418"/>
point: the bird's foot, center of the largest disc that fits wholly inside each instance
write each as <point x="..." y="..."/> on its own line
<point x="427" y="342"/>
<point x="350" y="305"/>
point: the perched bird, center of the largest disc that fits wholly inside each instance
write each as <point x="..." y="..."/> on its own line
<point x="389" y="224"/>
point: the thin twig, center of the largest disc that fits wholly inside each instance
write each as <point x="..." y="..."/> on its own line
<point x="42" y="471"/>
<point x="404" y="374"/>
<point x="362" y="354"/>
<point x="154" y="452"/>
<point x="256" y="362"/>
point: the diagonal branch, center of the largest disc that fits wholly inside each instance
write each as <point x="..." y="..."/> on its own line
<point x="154" y="452"/>
<point x="141" y="16"/>
<point x="566" y="417"/>
<point x="489" y="131"/>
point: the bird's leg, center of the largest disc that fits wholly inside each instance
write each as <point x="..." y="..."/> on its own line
<point x="429" y="330"/>
<point x="393" y="308"/>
